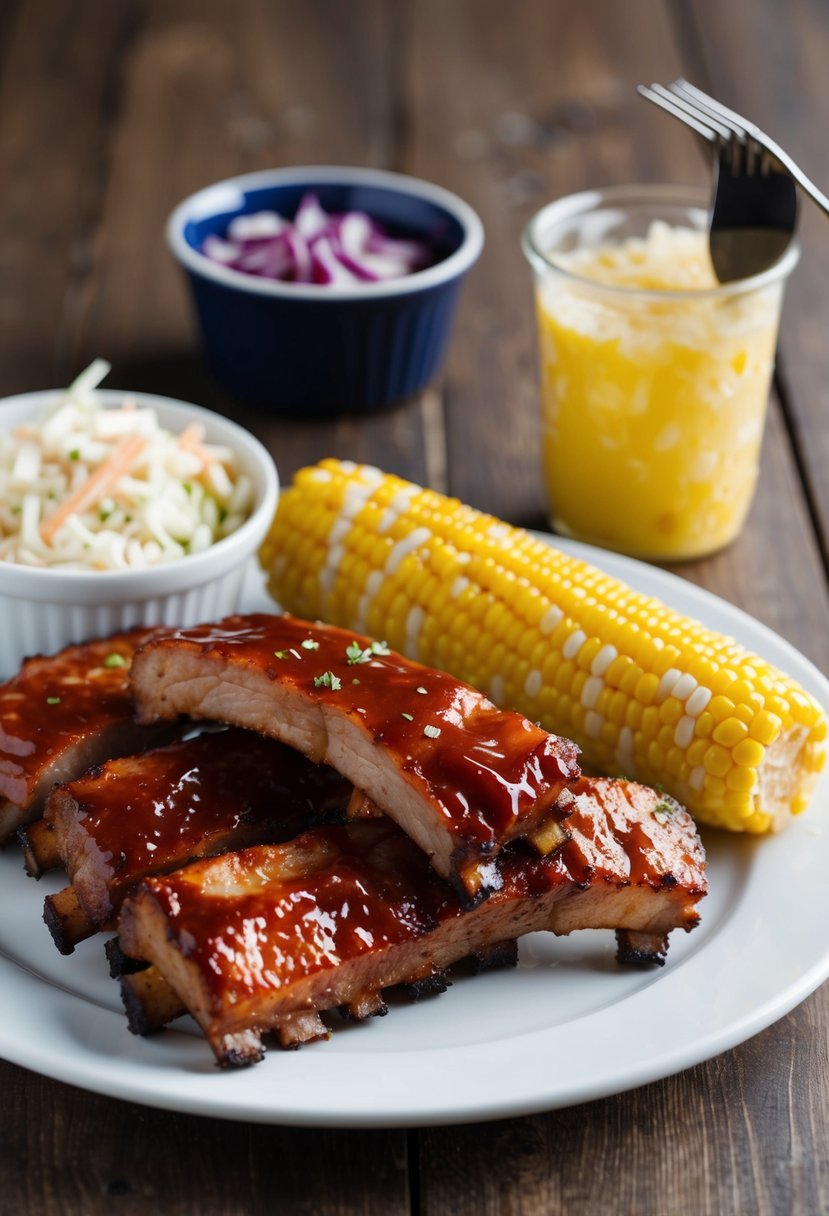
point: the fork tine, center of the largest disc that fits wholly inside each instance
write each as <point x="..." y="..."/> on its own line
<point x="710" y="109"/>
<point x="771" y="159"/>
<point x="693" y="111"/>
<point x="670" y="107"/>
<point x="756" y="152"/>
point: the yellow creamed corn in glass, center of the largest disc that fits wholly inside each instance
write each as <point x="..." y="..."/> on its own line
<point x="644" y="691"/>
<point x="652" y="406"/>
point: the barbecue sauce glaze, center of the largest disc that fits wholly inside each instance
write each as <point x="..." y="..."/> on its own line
<point x="194" y="798"/>
<point x="263" y="919"/>
<point x="56" y="702"/>
<point x="492" y="773"/>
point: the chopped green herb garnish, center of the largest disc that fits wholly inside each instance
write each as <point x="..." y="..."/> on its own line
<point x="310" y="644"/>
<point x="431" y="732"/>
<point x="115" y="660"/>
<point x="188" y="489"/>
<point x="408" y="717"/>
<point x="328" y="680"/>
<point x="664" y="807"/>
<point x="53" y="700"/>
<point x="104" y="515"/>
<point x="355" y="653"/>
<point x="280" y="654"/>
<point x="75" y="454"/>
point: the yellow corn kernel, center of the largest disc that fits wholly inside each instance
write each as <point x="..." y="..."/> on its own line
<point x="545" y="633"/>
<point x="646" y="688"/>
<point x="696" y="751"/>
<point x="670" y="711"/>
<point x="650" y="721"/>
<point x="721" y="708"/>
<point x="705" y="725"/>
<point x="739" y="778"/>
<point x="616" y="706"/>
<point x="766" y="727"/>
<point x="749" y="753"/>
<point x="730" y="732"/>
<point x="673" y="761"/>
<point x="717" y="760"/>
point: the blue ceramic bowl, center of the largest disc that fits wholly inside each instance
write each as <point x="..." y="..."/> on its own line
<point x="311" y="349"/>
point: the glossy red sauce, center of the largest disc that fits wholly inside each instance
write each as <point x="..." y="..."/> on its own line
<point x="619" y="832"/>
<point x="490" y="772"/>
<point x="55" y="702"/>
<point x="349" y="890"/>
<point x="197" y="797"/>
<point x="261" y="919"/>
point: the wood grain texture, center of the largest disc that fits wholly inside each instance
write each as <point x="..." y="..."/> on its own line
<point x="211" y="91"/>
<point x="110" y="112"/>
<point x="541" y="104"/>
<point x="57" y="93"/>
<point x="66" y="1151"/>
<point x="785" y="90"/>
<point x="699" y="1142"/>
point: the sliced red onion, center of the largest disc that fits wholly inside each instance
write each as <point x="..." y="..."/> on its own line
<point x="259" y="227"/>
<point x="301" y="256"/>
<point x="220" y="251"/>
<point x="310" y="220"/>
<point x="317" y="247"/>
<point x="328" y="267"/>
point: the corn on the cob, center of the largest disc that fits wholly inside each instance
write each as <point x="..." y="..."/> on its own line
<point x="642" y="690"/>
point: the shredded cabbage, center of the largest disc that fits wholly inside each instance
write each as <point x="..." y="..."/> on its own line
<point x="89" y="487"/>
<point x="317" y="247"/>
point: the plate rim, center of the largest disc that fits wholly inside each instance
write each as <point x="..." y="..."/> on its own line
<point x="139" y="1072"/>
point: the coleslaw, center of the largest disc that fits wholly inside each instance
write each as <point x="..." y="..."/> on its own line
<point x="102" y="488"/>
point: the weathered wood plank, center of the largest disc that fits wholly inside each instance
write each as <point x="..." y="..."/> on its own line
<point x="540" y="104"/>
<point x="112" y="112"/>
<point x="213" y="91"/>
<point x="65" y="1151"/>
<point x="709" y="1140"/>
<point x="722" y="1139"/>
<point x="58" y="98"/>
<point x="786" y="92"/>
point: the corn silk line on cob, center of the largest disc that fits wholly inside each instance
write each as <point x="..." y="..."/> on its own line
<point x="643" y="691"/>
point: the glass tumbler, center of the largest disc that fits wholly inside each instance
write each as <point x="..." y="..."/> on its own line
<point x="654" y="377"/>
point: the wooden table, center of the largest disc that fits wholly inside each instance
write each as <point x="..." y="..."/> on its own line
<point x="113" y="110"/>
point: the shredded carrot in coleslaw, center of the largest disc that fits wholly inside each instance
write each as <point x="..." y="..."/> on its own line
<point x="108" y="488"/>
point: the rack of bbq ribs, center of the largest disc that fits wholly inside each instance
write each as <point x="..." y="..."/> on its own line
<point x="280" y="819"/>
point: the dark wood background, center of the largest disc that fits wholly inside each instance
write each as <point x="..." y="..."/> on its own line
<point x="111" y="111"/>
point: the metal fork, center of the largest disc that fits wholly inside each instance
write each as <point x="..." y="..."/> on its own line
<point x="755" y="201"/>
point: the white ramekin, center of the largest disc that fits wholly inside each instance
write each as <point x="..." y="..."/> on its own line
<point x="42" y="610"/>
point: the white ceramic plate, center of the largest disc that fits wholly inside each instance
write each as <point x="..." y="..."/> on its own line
<point x="568" y="1026"/>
